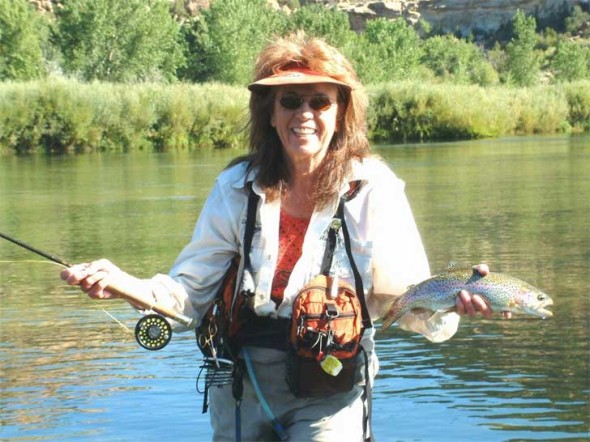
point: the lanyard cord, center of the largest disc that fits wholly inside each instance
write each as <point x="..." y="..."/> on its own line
<point x="339" y="223"/>
<point x="278" y="427"/>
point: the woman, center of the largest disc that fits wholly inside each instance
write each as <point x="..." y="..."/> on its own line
<point x="308" y="147"/>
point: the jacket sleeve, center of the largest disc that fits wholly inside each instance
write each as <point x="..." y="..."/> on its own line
<point x="196" y="275"/>
<point x="399" y="259"/>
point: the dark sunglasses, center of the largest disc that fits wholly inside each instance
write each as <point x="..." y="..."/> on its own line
<point x="318" y="102"/>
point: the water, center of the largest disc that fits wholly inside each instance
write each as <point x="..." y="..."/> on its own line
<point x="69" y="372"/>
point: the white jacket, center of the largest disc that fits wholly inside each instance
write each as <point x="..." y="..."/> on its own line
<point x="385" y="243"/>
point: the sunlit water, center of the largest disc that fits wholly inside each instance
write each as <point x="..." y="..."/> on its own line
<point x="70" y="372"/>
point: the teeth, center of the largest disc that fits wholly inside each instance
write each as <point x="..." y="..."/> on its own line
<point x="303" y="130"/>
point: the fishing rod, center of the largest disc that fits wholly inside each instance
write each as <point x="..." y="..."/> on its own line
<point x="152" y="331"/>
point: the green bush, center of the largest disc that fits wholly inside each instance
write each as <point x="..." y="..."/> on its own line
<point x="111" y="40"/>
<point x="423" y="112"/>
<point x="207" y="116"/>
<point x="388" y="50"/>
<point x="571" y="61"/>
<point x="578" y="98"/>
<point x="222" y="43"/>
<point x="65" y="116"/>
<point x="22" y="36"/>
<point x="458" y="61"/>
<point x="328" y="23"/>
<point x="523" y="63"/>
<point x="539" y="110"/>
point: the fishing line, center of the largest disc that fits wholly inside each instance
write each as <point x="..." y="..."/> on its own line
<point x="31" y="261"/>
<point x="36" y="261"/>
<point x="152" y="331"/>
<point x="35" y="250"/>
<point x="117" y="321"/>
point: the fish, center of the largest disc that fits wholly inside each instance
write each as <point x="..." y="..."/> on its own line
<point x="501" y="291"/>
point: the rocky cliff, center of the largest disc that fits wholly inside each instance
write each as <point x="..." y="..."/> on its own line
<point x="464" y="17"/>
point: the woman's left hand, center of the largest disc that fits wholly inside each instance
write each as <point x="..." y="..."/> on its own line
<point x="471" y="304"/>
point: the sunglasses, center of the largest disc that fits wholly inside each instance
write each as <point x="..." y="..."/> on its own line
<point x="317" y="102"/>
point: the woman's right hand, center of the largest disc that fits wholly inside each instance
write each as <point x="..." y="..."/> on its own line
<point x="94" y="277"/>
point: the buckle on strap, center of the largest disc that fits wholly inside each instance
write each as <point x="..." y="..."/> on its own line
<point x="332" y="311"/>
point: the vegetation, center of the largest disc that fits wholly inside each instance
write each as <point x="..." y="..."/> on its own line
<point x="141" y="74"/>
<point x="68" y="115"/>
<point x="110" y="40"/>
<point x="22" y="36"/>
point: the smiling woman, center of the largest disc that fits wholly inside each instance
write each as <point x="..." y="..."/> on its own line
<point x="305" y="134"/>
<point x="308" y="228"/>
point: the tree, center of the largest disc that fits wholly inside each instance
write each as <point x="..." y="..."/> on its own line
<point x="571" y="61"/>
<point x="577" y="23"/>
<point x="22" y="35"/>
<point x="319" y="21"/>
<point x="120" y="41"/>
<point x="224" y="40"/>
<point x="387" y="50"/>
<point x="458" y="60"/>
<point x="523" y="63"/>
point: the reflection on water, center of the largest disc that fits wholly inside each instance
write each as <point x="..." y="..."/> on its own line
<point x="70" y="372"/>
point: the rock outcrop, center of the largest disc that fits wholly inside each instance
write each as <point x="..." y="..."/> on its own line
<point x="463" y="17"/>
<point x="458" y="16"/>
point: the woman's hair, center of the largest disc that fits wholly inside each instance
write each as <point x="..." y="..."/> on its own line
<point x="298" y="51"/>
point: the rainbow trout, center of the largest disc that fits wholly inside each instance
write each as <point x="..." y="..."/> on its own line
<point x="501" y="291"/>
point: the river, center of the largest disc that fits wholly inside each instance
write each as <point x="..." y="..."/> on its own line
<point x="70" y="369"/>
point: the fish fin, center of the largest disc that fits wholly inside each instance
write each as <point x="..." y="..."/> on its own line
<point x="424" y="311"/>
<point x="455" y="266"/>
<point x="387" y="321"/>
<point x="388" y="314"/>
<point x="461" y="267"/>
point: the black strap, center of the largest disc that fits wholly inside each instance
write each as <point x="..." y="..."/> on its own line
<point x="242" y="288"/>
<point x="368" y="400"/>
<point x="331" y="243"/>
<point x="358" y="282"/>
<point x="250" y="223"/>
<point x="337" y="223"/>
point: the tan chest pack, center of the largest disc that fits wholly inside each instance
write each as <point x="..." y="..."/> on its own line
<point x="328" y="320"/>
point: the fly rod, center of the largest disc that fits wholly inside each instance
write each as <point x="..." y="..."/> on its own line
<point x="34" y="250"/>
<point x="152" y="331"/>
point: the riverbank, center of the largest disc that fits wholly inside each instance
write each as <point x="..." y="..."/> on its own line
<point x="59" y="116"/>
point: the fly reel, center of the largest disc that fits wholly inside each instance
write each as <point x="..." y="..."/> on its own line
<point x="153" y="332"/>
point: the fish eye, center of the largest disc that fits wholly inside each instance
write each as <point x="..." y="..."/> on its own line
<point x="541" y="297"/>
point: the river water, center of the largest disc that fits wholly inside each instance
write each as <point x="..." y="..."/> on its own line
<point x="71" y="371"/>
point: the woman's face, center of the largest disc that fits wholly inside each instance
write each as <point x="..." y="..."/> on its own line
<point x="305" y="132"/>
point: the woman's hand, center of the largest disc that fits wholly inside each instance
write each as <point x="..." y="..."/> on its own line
<point x="93" y="278"/>
<point x="471" y="304"/>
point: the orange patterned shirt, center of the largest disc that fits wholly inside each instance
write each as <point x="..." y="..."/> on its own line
<point x="291" y="235"/>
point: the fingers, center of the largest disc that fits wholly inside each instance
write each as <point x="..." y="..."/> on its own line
<point x="93" y="278"/>
<point x="95" y="284"/>
<point x="482" y="269"/>
<point x="73" y="275"/>
<point x="468" y="304"/>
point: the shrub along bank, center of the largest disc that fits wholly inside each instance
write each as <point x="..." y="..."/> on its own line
<point x="59" y="116"/>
